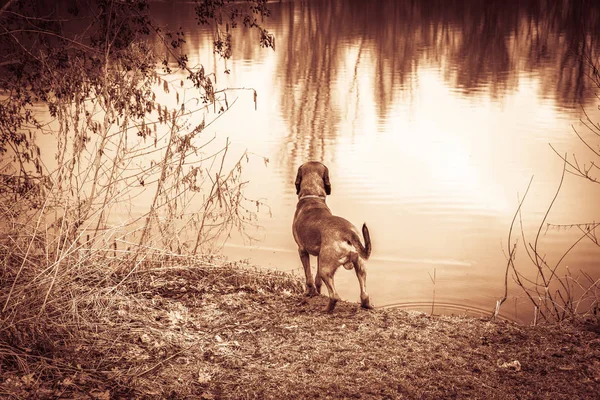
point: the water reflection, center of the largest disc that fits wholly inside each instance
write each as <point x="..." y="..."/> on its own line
<point x="481" y="47"/>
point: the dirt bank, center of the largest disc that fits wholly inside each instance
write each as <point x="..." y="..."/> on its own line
<point x="223" y="332"/>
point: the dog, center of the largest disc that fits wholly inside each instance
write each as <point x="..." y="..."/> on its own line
<point x="333" y="240"/>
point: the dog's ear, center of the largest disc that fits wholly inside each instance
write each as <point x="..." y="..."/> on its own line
<point x="298" y="180"/>
<point x="326" y="182"/>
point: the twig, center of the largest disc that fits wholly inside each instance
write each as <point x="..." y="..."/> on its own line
<point x="511" y="252"/>
<point x="161" y="362"/>
<point x="538" y="260"/>
<point x="12" y="287"/>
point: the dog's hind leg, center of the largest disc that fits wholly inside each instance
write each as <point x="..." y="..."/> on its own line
<point x="333" y="296"/>
<point x="326" y="270"/>
<point x="361" y="274"/>
<point x="310" y="283"/>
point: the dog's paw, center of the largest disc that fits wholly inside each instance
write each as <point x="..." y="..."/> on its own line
<point x="331" y="306"/>
<point x="311" y="292"/>
<point x="366" y="304"/>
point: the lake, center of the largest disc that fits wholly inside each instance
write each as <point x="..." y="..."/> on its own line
<point x="432" y="117"/>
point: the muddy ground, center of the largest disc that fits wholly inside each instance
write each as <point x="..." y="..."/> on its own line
<point x="233" y="333"/>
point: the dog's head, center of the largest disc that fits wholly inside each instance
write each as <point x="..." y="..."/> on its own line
<point x="313" y="177"/>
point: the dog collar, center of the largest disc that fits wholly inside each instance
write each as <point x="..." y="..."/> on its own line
<point x="312" y="196"/>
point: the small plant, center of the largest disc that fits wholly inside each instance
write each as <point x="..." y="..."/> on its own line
<point x="555" y="293"/>
<point x="433" y="278"/>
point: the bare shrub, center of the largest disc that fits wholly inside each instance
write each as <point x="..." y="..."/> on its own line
<point x="558" y="292"/>
<point x="126" y="123"/>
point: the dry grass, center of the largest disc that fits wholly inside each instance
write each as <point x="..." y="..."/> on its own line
<point x="207" y="329"/>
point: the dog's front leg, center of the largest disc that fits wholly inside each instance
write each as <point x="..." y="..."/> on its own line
<point x="310" y="283"/>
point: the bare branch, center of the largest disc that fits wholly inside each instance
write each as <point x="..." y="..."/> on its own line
<point x="6" y="6"/>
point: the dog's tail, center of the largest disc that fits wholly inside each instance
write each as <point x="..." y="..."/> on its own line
<point x="365" y="251"/>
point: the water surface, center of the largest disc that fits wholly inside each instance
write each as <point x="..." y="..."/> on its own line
<point x="432" y="118"/>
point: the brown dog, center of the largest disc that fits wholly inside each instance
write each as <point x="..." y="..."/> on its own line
<point x="333" y="240"/>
